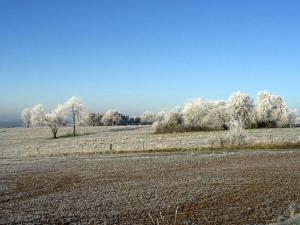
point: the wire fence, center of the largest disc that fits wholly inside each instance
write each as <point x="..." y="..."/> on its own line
<point x="103" y="146"/>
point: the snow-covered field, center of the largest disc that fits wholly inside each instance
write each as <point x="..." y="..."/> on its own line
<point x="27" y="142"/>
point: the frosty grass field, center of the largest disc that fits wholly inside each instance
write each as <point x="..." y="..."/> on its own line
<point x="31" y="142"/>
<point x="86" y="179"/>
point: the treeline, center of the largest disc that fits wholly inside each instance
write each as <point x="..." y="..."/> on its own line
<point x="267" y="111"/>
<point x="115" y="118"/>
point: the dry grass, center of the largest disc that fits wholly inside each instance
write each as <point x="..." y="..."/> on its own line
<point x="292" y="216"/>
<point x="97" y="140"/>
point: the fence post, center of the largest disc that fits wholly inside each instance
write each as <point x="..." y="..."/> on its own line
<point x="180" y="142"/>
<point x="270" y="139"/>
<point x="110" y="146"/>
<point x="222" y="143"/>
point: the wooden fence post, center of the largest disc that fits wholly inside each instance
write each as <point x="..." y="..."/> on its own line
<point x="222" y="143"/>
<point x="110" y="146"/>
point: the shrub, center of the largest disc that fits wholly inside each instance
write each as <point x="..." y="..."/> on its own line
<point x="236" y="132"/>
<point x="169" y="122"/>
<point x="204" y="115"/>
<point x="148" y="118"/>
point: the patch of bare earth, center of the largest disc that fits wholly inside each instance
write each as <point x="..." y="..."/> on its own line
<point x="239" y="188"/>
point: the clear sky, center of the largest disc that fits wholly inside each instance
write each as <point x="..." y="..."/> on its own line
<point x="138" y="55"/>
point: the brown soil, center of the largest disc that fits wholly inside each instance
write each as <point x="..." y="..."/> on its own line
<point x="238" y="188"/>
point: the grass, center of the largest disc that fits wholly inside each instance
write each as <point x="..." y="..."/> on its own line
<point x="36" y="142"/>
<point x="204" y="150"/>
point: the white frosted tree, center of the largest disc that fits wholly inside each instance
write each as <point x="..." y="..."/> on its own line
<point x="26" y="117"/>
<point x="111" y="118"/>
<point x="271" y="111"/>
<point x="236" y="132"/>
<point x="193" y="113"/>
<point x="53" y="120"/>
<point x="148" y="118"/>
<point x="241" y="106"/>
<point x="217" y="116"/>
<point x="76" y="110"/>
<point x="199" y="114"/>
<point x="37" y="115"/>
<point x="168" y="122"/>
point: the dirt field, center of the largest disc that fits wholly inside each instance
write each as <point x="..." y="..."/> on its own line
<point x="230" y="188"/>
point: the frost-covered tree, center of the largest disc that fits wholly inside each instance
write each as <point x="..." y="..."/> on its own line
<point x="199" y="114"/>
<point x="37" y="115"/>
<point x="169" y="122"/>
<point x="271" y="111"/>
<point x="236" y="132"/>
<point x="241" y="106"/>
<point x="53" y="119"/>
<point x="94" y="119"/>
<point x="75" y="108"/>
<point x="293" y="115"/>
<point x="193" y="113"/>
<point x="26" y="117"/>
<point x="111" y="118"/>
<point x="91" y="120"/>
<point x="218" y="115"/>
<point x="148" y="118"/>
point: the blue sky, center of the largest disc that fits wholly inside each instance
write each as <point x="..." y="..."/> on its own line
<point x="140" y="55"/>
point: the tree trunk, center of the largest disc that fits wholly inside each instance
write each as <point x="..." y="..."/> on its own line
<point x="74" y="124"/>
<point x="54" y="131"/>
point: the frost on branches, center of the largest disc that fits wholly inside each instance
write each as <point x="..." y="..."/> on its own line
<point x="57" y="117"/>
<point x="168" y="122"/>
<point x="53" y="119"/>
<point x="26" y="117"/>
<point x="236" y="132"/>
<point x="148" y="118"/>
<point x="76" y="111"/>
<point x="271" y="111"/>
<point x="202" y="115"/>
<point x="241" y="107"/>
<point x="268" y="111"/>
